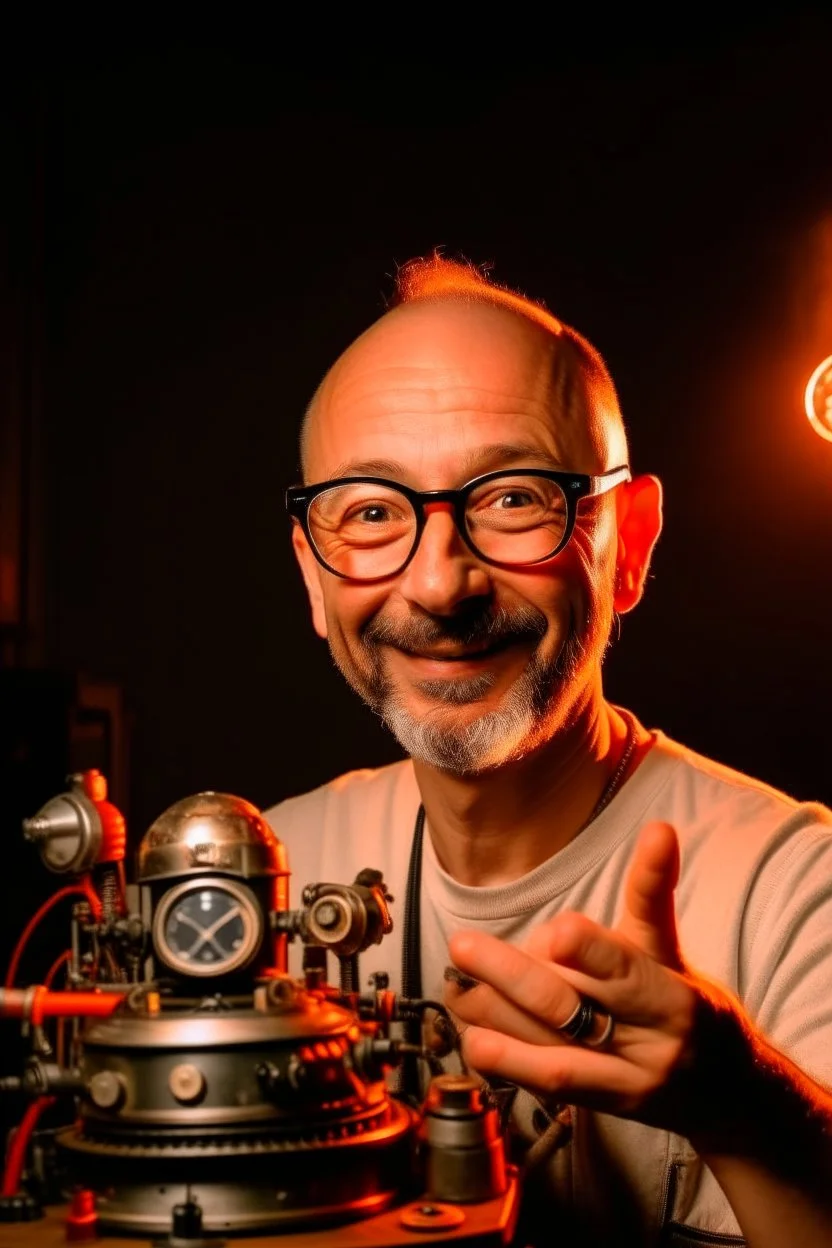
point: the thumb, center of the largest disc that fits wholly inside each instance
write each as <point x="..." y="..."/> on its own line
<point x="649" y="916"/>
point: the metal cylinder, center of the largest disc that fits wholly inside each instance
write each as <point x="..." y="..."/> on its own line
<point x="464" y="1151"/>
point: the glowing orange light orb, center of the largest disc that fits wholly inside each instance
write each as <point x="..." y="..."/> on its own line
<point x="818" y="399"/>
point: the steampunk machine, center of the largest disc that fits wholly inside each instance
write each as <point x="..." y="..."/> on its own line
<point x="200" y="1094"/>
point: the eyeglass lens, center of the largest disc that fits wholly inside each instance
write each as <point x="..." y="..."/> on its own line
<point x="368" y="530"/>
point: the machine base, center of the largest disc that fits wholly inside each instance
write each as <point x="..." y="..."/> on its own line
<point x="488" y="1224"/>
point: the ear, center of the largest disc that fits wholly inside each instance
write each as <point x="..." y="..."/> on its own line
<point x="311" y="572"/>
<point x="639" y="508"/>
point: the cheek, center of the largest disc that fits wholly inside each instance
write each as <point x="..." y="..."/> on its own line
<point x="349" y="608"/>
<point x="552" y="589"/>
<point x="558" y="580"/>
<point x="576" y="582"/>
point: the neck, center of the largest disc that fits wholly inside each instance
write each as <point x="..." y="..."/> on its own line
<point x="484" y="836"/>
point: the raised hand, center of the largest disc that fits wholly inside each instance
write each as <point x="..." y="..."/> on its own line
<point x="674" y="1038"/>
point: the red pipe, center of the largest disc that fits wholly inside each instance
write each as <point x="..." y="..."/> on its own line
<point x="20" y="1142"/>
<point x="40" y="1003"/>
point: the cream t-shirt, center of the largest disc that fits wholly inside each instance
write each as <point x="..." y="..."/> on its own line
<point x="754" y="909"/>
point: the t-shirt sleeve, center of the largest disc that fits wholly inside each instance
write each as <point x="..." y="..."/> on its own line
<point x="786" y="946"/>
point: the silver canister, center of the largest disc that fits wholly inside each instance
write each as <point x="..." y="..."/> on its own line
<point x="464" y="1149"/>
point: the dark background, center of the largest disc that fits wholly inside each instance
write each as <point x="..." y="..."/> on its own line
<point x="194" y="229"/>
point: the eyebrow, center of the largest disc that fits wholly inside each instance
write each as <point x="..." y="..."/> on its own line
<point x="482" y="460"/>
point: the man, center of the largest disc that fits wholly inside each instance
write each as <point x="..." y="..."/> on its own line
<point x="639" y="937"/>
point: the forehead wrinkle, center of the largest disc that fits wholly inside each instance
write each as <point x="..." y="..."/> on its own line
<point x="438" y="352"/>
<point x="554" y="442"/>
<point x="392" y="391"/>
<point x="473" y="462"/>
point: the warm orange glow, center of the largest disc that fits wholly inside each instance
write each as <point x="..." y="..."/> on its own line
<point x="818" y="399"/>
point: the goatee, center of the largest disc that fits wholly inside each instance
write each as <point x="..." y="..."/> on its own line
<point x="493" y="738"/>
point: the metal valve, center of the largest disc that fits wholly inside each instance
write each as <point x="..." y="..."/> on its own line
<point x="78" y="829"/>
<point x="66" y="831"/>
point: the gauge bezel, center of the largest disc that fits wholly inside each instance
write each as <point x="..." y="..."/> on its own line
<point x="253" y="927"/>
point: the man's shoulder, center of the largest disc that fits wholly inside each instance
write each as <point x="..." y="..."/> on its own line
<point x="358" y="792"/>
<point x="723" y="813"/>
<point x="705" y="780"/>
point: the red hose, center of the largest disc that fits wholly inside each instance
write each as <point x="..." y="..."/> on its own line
<point x="83" y="886"/>
<point x="20" y="1142"/>
<point x="55" y="967"/>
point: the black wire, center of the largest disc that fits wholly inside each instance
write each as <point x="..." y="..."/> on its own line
<point x="411" y="936"/>
<point x="412" y="955"/>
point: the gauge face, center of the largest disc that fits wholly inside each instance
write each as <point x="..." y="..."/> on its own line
<point x="207" y="927"/>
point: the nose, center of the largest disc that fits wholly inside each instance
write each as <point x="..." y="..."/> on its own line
<point x="444" y="573"/>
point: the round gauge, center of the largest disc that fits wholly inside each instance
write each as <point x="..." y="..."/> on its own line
<point x="207" y="926"/>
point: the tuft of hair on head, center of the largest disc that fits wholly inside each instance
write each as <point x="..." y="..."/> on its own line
<point x="437" y="277"/>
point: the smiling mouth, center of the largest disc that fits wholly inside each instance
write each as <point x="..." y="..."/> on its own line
<point x="457" y="656"/>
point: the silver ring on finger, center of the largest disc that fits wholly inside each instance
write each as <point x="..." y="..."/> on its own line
<point x="604" y="1027"/>
<point x="588" y="1025"/>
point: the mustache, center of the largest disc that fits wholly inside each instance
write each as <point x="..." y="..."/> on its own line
<point x="481" y="626"/>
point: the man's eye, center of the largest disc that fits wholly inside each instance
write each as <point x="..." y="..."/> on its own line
<point x="508" y="500"/>
<point x="382" y="513"/>
<point x="512" y="499"/>
<point x="373" y="513"/>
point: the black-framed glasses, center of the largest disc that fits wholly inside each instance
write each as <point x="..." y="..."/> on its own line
<point x="368" y="528"/>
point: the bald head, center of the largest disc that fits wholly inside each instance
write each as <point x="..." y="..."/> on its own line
<point x="453" y="340"/>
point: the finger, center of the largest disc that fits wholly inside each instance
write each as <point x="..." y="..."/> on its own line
<point x="649" y="916"/>
<point x="572" y="1072"/>
<point x="516" y="993"/>
<point x="575" y="941"/>
<point x="608" y="967"/>
<point x="488" y="1008"/>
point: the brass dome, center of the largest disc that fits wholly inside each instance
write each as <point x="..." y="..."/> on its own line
<point x="210" y="831"/>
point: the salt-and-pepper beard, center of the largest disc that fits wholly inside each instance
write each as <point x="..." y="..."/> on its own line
<point x="494" y="738"/>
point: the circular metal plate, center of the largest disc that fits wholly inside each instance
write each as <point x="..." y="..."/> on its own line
<point x="431" y="1216"/>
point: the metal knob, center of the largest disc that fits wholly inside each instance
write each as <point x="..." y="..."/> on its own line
<point x="107" y="1089"/>
<point x="187" y="1083"/>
